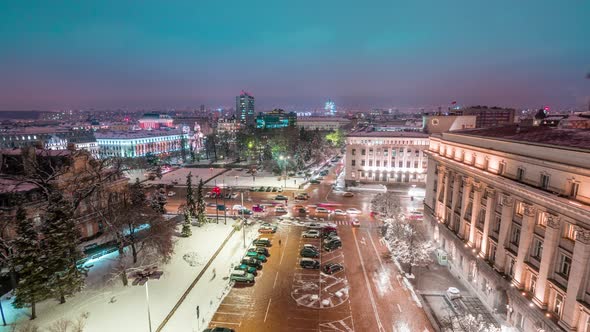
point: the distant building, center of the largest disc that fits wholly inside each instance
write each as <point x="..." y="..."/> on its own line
<point x="385" y="157"/>
<point x="488" y="116"/>
<point x="277" y="118"/>
<point x="512" y="212"/>
<point x="330" y="107"/>
<point x="321" y="123"/>
<point x="155" y="121"/>
<point x="139" y="143"/>
<point x="436" y="124"/>
<point x="50" y="137"/>
<point x="245" y="111"/>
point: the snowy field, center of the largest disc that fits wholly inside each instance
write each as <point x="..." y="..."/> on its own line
<point x="235" y="178"/>
<point x="179" y="175"/>
<point x="112" y="307"/>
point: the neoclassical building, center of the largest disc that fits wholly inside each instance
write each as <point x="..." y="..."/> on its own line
<point x="139" y="143"/>
<point x="512" y="211"/>
<point x="374" y="156"/>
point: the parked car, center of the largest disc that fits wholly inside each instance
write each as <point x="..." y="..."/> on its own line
<point x="260" y="250"/>
<point x="247" y="268"/>
<point x="171" y="193"/>
<point x="322" y="210"/>
<point x="348" y="194"/>
<point x="280" y="210"/>
<point x="331" y="268"/>
<point x="303" y="210"/>
<point x="311" y="246"/>
<point x="267" y="229"/>
<point x="314" y="233"/>
<point x="261" y="189"/>
<point x="308" y="252"/>
<point x="242" y="276"/>
<point x="234" y="196"/>
<point x="212" y="204"/>
<point x="339" y="212"/>
<point x="329" y="228"/>
<point x="251" y="262"/>
<point x="356" y="223"/>
<point x="353" y="211"/>
<point x="268" y="189"/>
<point x="313" y="225"/>
<point x="263" y="242"/>
<point x="327" y="235"/>
<point x="314" y="181"/>
<point x="332" y="243"/>
<point x="258" y="208"/>
<point x="281" y="198"/>
<point x="219" y="329"/>
<point x="256" y="255"/>
<point x="308" y="263"/>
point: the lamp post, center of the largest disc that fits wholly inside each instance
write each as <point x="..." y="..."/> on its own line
<point x="243" y="220"/>
<point x="147" y="301"/>
<point x="284" y="159"/>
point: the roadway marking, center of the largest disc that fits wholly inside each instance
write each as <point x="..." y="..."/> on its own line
<point x="282" y="250"/>
<point x="267" y="307"/>
<point x="276" y="277"/>
<point x="223" y="323"/>
<point x="373" y="304"/>
<point x="230" y="313"/>
<point x="399" y="308"/>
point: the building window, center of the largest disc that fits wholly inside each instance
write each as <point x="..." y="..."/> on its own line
<point x="542" y="219"/>
<point x="416" y="164"/>
<point x="353" y="163"/>
<point x="537" y="250"/>
<point x="511" y="267"/>
<point x="558" y="304"/>
<point x="353" y="174"/>
<point x="520" y="174"/>
<point x="492" y="253"/>
<point x="363" y="152"/>
<point x="515" y="235"/>
<point x="565" y="264"/>
<point x="544" y="181"/>
<point x="370" y="163"/>
<point x="533" y="284"/>
<point x="401" y="164"/>
<point x="497" y="223"/>
<point x="408" y="164"/>
<point x="501" y="167"/>
<point x="370" y="152"/>
<point x="569" y="232"/>
<point x="353" y="152"/>
<point x="363" y="162"/>
<point x="384" y="163"/>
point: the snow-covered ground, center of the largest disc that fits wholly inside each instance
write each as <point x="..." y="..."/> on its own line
<point x="112" y="307"/>
<point x="235" y="178"/>
<point x="179" y="175"/>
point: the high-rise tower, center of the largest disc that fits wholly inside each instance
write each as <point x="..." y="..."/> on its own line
<point x="245" y="108"/>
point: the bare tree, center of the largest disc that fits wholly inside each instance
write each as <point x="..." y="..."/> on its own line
<point x="453" y="322"/>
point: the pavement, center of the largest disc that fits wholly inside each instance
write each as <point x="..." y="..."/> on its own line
<point x="367" y="295"/>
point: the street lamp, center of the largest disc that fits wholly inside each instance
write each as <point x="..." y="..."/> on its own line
<point x="285" y="168"/>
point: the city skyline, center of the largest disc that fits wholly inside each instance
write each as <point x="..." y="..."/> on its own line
<point x="108" y="56"/>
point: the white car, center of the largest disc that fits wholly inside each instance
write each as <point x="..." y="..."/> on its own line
<point x="171" y="193"/>
<point x="313" y="233"/>
<point x="322" y="210"/>
<point x="311" y="206"/>
<point x="356" y="223"/>
<point x="280" y="210"/>
<point x="238" y="207"/>
<point x="353" y="211"/>
<point x="339" y="212"/>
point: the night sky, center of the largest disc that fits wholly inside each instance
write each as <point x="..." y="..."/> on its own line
<point x="148" y="54"/>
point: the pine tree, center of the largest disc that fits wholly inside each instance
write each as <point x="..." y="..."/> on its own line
<point x="186" y="226"/>
<point x="158" y="201"/>
<point x="190" y="197"/>
<point x="28" y="260"/>
<point x="200" y="204"/>
<point x="61" y="240"/>
<point x="137" y="194"/>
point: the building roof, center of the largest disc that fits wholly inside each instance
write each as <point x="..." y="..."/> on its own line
<point x="138" y="134"/>
<point x="321" y="119"/>
<point x="371" y="133"/>
<point x="557" y="137"/>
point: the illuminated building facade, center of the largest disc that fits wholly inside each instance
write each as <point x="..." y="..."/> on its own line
<point x="385" y="157"/>
<point x="152" y="121"/>
<point x="277" y="118"/>
<point x="245" y="109"/>
<point x="139" y="143"/>
<point x="330" y="107"/>
<point x="512" y="212"/>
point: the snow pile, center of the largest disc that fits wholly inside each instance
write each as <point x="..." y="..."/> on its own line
<point x="193" y="259"/>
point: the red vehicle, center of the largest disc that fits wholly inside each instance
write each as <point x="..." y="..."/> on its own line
<point x="258" y="208"/>
<point x="328" y="229"/>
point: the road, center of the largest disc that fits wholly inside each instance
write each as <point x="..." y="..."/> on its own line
<point x="366" y="296"/>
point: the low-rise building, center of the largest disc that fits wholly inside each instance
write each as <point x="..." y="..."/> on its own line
<point x="155" y="121"/>
<point x="512" y="211"/>
<point x="385" y="157"/>
<point x="139" y="143"/>
<point x="328" y="123"/>
<point x="276" y="118"/>
<point x="436" y="124"/>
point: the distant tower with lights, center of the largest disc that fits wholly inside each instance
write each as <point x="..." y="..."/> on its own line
<point x="245" y="108"/>
<point x="330" y="107"/>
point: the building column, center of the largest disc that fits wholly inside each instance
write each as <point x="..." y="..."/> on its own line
<point x="576" y="283"/>
<point x="507" y="213"/>
<point x="477" y="187"/>
<point x="467" y="184"/>
<point x="455" y="198"/>
<point x="526" y="238"/>
<point x="446" y="194"/>
<point x="490" y="211"/>
<point x="439" y="189"/>
<point x="550" y="243"/>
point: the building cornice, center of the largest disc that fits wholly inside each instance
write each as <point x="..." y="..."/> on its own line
<point x="558" y="204"/>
